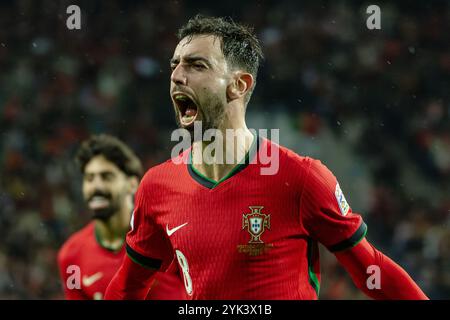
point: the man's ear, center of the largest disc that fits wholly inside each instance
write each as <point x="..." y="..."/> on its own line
<point x="241" y="83"/>
<point x="134" y="183"/>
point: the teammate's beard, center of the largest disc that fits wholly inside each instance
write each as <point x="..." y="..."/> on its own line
<point x="105" y="213"/>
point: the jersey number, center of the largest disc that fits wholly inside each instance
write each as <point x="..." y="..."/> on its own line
<point x="182" y="261"/>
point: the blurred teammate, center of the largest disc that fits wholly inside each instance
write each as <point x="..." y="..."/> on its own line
<point x="90" y="257"/>
<point x="235" y="232"/>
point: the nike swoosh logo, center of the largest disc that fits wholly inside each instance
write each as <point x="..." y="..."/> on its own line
<point x="171" y="231"/>
<point x="89" y="281"/>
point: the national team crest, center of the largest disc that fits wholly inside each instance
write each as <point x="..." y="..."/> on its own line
<point x="256" y="222"/>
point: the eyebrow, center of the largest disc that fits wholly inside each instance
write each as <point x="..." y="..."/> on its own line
<point x="191" y="59"/>
<point x="103" y="172"/>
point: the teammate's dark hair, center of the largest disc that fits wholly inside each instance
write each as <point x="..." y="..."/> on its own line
<point x="112" y="149"/>
<point x="239" y="44"/>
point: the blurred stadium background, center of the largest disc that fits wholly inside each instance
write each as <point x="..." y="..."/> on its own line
<point x="373" y="105"/>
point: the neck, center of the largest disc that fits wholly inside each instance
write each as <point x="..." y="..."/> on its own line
<point x="111" y="233"/>
<point x="216" y="159"/>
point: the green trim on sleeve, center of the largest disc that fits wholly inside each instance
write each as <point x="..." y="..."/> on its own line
<point x="356" y="238"/>
<point x="149" y="263"/>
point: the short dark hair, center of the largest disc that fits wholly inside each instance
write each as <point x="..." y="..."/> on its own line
<point x="112" y="149"/>
<point x="239" y="44"/>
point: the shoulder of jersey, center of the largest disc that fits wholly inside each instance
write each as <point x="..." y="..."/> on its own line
<point x="293" y="161"/>
<point x="76" y="241"/>
<point x="290" y="157"/>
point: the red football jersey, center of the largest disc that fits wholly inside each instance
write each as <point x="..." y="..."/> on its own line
<point x="82" y="256"/>
<point x="248" y="236"/>
<point x="86" y="268"/>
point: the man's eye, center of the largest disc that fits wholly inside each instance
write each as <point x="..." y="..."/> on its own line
<point x="199" y="66"/>
<point x="108" y="177"/>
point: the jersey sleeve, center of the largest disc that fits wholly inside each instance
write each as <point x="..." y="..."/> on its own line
<point x="146" y="242"/>
<point x="325" y="213"/>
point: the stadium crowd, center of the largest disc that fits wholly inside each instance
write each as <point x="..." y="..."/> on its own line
<point x="373" y="105"/>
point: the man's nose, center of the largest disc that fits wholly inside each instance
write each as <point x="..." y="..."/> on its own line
<point x="178" y="75"/>
<point x="98" y="183"/>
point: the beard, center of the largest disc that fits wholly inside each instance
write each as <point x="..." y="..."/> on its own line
<point x="103" y="214"/>
<point x="106" y="212"/>
<point x="211" y="113"/>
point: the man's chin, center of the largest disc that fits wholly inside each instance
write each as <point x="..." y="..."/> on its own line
<point x="190" y="128"/>
<point x="102" y="214"/>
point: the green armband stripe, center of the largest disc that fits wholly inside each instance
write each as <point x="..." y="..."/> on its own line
<point x="352" y="241"/>
<point x="142" y="260"/>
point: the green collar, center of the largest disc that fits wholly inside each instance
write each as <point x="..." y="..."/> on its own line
<point x="100" y="242"/>
<point x="210" y="183"/>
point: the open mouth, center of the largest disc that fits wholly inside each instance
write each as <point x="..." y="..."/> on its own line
<point x="186" y="107"/>
<point x="98" y="202"/>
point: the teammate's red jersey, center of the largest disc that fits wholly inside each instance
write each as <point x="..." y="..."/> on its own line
<point x="249" y="236"/>
<point x="86" y="269"/>
<point x="83" y="256"/>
